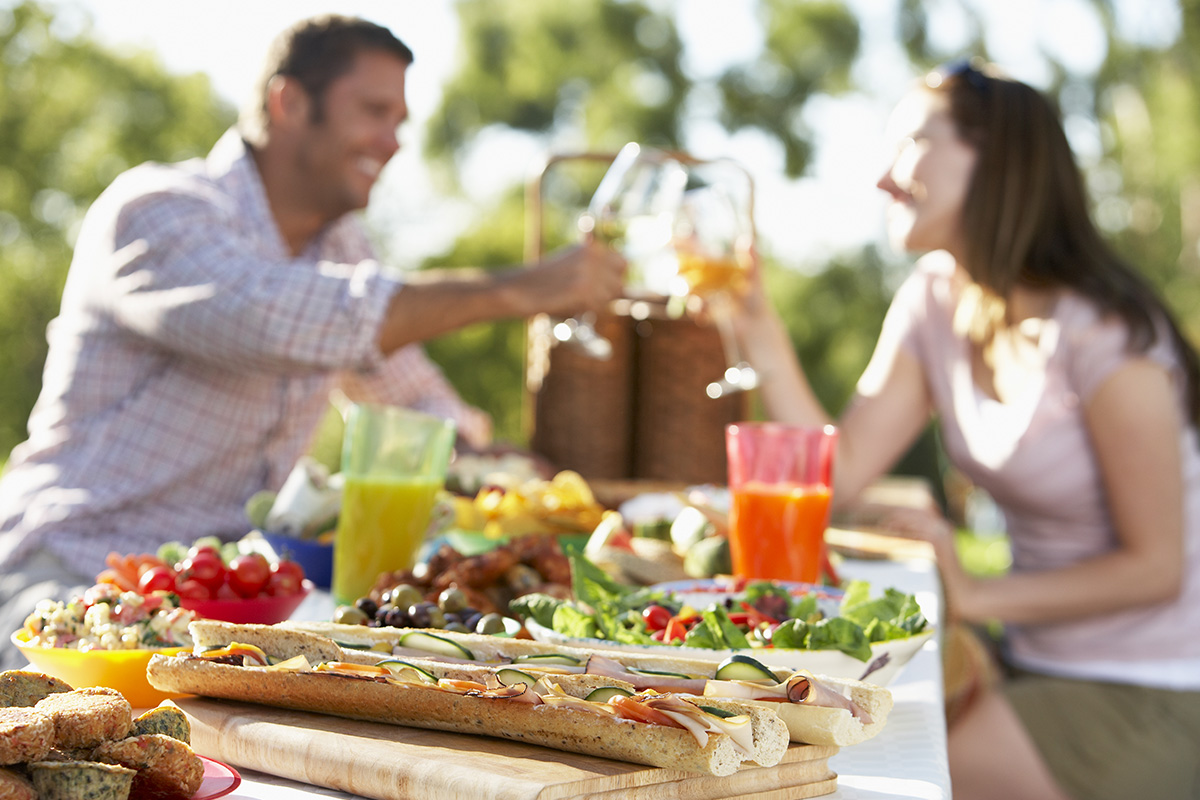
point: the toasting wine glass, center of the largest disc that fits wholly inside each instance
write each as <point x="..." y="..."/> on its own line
<point x="632" y="211"/>
<point x="714" y="235"/>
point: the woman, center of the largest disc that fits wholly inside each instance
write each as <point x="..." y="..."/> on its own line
<point x="1063" y="388"/>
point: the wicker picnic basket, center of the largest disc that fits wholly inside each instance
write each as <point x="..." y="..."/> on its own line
<point x="642" y="414"/>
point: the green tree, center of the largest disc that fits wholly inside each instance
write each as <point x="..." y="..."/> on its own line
<point x="600" y="73"/>
<point x="72" y="116"/>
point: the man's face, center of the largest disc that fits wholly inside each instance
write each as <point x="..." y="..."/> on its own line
<point x="342" y="153"/>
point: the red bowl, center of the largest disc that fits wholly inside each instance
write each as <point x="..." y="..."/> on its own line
<point x="264" y="610"/>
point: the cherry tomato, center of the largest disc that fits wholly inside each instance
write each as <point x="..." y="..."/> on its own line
<point x="206" y="567"/>
<point x="192" y="589"/>
<point x="157" y="579"/>
<point x="656" y="617"/>
<point x="287" y="577"/>
<point x="197" y="549"/>
<point x="248" y="574"/>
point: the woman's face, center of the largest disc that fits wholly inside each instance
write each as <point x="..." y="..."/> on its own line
<point x="928" y="177"/>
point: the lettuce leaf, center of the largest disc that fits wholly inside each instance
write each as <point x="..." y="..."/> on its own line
<point x="536" y="606"/>
<point x="570" y="621"/>
<point x="839" y="633"/>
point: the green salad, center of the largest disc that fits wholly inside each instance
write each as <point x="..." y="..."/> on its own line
<point x="765" y="615"/>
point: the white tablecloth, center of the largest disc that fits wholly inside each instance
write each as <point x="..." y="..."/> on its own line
<point x="906" y="760"/>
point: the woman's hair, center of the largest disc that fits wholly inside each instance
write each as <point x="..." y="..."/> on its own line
<point x="316" y="52"/>
<point x="1025" y="217"/>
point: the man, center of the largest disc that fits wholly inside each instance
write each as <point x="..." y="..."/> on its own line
<point x="213" y="305"/>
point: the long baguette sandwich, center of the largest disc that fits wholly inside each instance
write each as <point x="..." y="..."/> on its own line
<point x="816" y="709"/>
<point x="300" y="670"/>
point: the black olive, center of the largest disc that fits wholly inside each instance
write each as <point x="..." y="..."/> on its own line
<point x="472" y="620"/>
<point x="367" y="606"/>
<point x="396" y="618"/>
<point x="419" y="614"/>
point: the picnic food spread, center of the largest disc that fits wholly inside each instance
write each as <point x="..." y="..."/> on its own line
<point x="419" y="650"/>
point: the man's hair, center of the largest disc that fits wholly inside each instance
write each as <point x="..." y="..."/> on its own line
<point x="316" y="52"/>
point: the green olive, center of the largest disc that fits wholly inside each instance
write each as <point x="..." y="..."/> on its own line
<point x="437" y="618"/>
<point x="349" y="615"/>
<point x="452" y="600"/>
<point x="489" y="624"/>
<point x="456" y="627"/>
<point x="403" y="595"/>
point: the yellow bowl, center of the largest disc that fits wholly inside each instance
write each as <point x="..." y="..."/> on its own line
<point x="123" y="670"/>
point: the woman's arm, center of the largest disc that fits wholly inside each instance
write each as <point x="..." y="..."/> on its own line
<point x="1135" y="427"/>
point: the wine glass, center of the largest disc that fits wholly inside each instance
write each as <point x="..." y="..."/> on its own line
<point x="713" y="238"/>
<point x="632" y="211"/>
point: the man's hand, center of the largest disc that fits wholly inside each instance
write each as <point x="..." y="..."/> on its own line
<point x="585" y="277"/>
<point x="581" y="278"/>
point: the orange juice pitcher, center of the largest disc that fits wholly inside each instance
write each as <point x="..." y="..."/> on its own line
<point x="393" y="464"/>
<point x="780" y="479"/>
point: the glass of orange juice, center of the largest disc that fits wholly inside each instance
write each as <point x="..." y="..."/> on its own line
<point x="780" y="480"/>
<point x="393" y="465"/>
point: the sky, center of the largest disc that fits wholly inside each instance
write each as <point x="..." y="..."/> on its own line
<point x="835" y="207"/>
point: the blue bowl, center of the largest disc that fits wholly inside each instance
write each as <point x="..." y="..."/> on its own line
<point x="315" y="557"/>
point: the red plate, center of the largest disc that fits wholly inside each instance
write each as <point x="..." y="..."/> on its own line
<point x="219" y="780"/>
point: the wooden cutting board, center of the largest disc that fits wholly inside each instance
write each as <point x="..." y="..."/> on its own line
<point x="391" y="762"/>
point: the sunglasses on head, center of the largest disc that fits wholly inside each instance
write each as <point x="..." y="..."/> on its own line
<point x="965" y="68"/>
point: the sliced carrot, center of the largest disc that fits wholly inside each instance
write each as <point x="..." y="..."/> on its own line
<point x="630" y="708"/>
<point x="148" y="561"/>
<point x="116" y="578"/>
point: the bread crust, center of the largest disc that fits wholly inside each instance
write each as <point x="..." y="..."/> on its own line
<point x="86" y="717"/>
<point x="166" y="767"/>
<point x="808" y="724"/>
<point x="430" y="707"/>
<point x="25" y="735"/>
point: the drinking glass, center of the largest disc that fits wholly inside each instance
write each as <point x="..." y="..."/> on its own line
<point x="394" y="464"/>
<point x="780" y="480"/>
<point x="632" y="211"/>
<point x="714" y="235"/>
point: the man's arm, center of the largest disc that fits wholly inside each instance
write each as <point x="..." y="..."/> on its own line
<point x="581" y="278"/>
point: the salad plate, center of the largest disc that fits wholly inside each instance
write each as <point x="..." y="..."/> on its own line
<point x="887" y="658"/>
<point x="828" y="631"/>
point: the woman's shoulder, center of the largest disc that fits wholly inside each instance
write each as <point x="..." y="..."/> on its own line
<point x="1096" y="341"/>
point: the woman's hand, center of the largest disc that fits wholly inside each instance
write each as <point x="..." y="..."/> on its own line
<point x="928" y="525"/>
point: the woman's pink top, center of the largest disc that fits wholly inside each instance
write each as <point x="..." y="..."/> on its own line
<point x="1034" y="457"/>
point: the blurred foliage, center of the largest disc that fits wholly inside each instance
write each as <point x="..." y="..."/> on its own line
<point x="581" y="75"/>
<point x="72" y="116"/>
<point x="609" y="70"/>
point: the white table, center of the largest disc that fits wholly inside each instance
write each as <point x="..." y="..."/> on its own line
<point x="906" y="760"/>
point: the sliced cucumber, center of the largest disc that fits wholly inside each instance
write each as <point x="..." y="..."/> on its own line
<point x="605" y="693"/>
<point x="659" y="672"/>
<point x="431" y="642"/>
<point x="743" y="668"/>
<point x="352" y="645"/>
<point x="407" y="671"/>
<point x="511" y="677"/>
<point x="717" y="712"/>
<point x="547" y="658"/>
